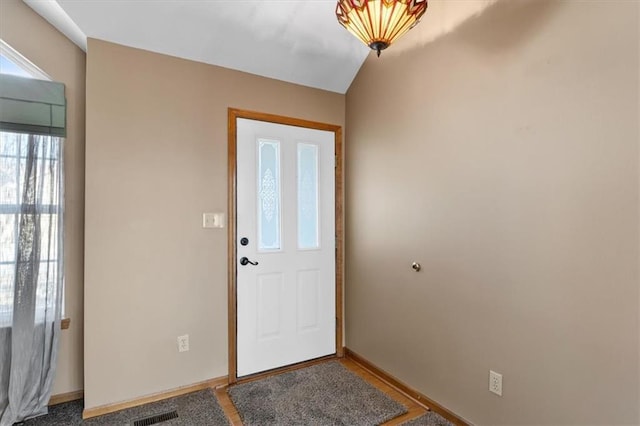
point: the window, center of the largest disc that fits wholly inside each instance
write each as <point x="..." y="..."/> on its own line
<point x="13" y="63"/>
<point x="36" y="214"/>
<point x="32" y="126"/>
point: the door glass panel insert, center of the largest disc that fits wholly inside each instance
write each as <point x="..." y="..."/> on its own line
<point x="269" y="200"/>
<point x="308" y="196"/>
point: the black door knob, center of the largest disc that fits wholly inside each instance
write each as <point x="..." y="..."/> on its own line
<point x="244" y="261"/>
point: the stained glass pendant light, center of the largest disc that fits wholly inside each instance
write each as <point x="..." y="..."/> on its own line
<point x="378" y="23"/>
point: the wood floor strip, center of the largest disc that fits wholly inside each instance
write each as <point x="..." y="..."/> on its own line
<point x="227" y="406"/>
<point x="414" y="409"/>
<point x="416" y="396"/>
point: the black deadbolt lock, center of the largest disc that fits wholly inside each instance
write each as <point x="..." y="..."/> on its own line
<point x="244" y="241"/>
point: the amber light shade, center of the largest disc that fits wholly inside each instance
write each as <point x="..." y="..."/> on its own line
<point x="378" y="23"/>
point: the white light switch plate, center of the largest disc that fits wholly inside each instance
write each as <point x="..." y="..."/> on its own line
<point x="213" y="220"/>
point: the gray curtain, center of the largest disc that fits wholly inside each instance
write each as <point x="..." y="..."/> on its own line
<point x="31" y="271"/>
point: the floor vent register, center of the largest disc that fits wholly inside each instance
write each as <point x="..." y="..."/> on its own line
<point x="158" y="418"/>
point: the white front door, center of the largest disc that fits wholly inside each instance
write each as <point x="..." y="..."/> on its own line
<point x="286" y="289"/>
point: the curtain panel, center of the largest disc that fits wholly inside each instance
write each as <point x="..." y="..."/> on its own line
<point x="31" y="271"/>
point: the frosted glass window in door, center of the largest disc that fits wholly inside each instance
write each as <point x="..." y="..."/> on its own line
<point x="269" y="195"/>
<point x="308" y="196"/>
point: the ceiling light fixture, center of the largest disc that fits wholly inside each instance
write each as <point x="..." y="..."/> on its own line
<point x="378" y="23"/>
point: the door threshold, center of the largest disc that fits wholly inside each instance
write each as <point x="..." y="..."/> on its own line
<point x="285" y="369"/>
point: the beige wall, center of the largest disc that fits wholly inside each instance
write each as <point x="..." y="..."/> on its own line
<point x="156" y="160"/>
<point x="504" y="158"/>
<point x="38" y="41"/>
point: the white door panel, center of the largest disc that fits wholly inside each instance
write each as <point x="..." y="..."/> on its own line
<point x="286" y="210"/>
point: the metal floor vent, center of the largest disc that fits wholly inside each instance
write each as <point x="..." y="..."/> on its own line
<point x="158" y="418"/>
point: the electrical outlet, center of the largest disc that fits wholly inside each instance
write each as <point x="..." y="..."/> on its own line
<point x="183" y="343"/>
<point x="495" y="382"/>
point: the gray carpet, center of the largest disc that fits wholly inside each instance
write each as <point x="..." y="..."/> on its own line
<point x="323" y="394"/>
<point x="194" y="409"/>
<point x="429" y="419"/>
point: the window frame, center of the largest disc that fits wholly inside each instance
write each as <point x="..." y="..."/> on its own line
<point x="36" y="73"/>
<point x="22" y="62"/>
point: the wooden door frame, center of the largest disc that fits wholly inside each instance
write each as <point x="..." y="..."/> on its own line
<point x="233" y="115"/>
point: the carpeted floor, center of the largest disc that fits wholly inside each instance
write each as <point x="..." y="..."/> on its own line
<point x="429" y="419"/>
<point x="323" y="394"/>
<point x="194" y="409"/>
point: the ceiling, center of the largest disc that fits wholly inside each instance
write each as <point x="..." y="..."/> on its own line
<point x="299" y="41"/>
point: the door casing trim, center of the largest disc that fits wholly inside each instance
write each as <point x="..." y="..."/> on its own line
<point x="233" y="115"/>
